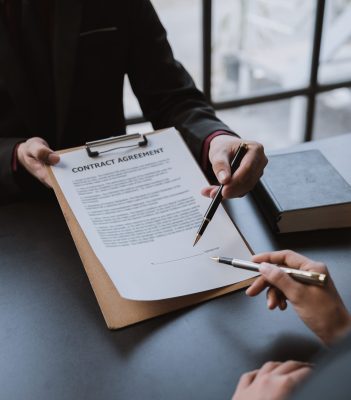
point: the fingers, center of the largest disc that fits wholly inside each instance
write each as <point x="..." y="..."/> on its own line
<point x="298" y="375"/>
<point x="290" y="366"/>
<point x="38" y="149"/>
<point x="209" y="191"/>
<point x="275" y="298"/>
<point x="283" y="304"/>
<point x="221" y="166"/>
<point x="284" y="286"/>
<point x="283" y="368"/>
<point x="258" y="286"/>
<point x="34" y="155"/>
<point x="247" y="378"/>
<point x="284" y="257"/>
<point x="268" y="367"/>
<point x="276" y="277"/>
<point x="292" y="260"/>
<point x="222" y="150"/>
<point x="52" y="159"/>
<point x="248" y="174"/>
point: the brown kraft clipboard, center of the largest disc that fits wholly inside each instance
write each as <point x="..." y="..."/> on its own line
<point x="119" y="312"/>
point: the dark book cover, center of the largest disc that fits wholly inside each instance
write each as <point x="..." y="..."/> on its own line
<point x="303" y="180"/>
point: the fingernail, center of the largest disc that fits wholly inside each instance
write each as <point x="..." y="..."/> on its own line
<point x="265" y="268"/>
<point x="222" y="175"/>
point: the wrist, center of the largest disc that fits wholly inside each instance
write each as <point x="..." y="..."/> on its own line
<point x="340" y="328"/>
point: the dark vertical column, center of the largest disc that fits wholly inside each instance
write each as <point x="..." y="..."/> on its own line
<point x="206" y="47"/>
<point x="313" y="87"/>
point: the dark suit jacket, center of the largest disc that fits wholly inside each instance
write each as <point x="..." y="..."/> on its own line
<point x="75" y="94"/>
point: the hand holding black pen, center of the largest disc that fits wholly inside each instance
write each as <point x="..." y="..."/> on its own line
<point x="238" y="156"/>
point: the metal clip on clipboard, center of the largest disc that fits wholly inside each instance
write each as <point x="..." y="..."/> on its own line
<point x="112" y="140"/>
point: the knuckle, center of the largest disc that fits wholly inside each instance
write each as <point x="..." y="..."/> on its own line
<point x="270" y="364"/>
<point x="34" y="141"/>
<point x="245" y="376"/>
<point x="257" y="147"/>
<point x="260" y="148"/>
<point x="320" y="267"/>
<point x="288" y="252"/>
<point x="292" y="363"/>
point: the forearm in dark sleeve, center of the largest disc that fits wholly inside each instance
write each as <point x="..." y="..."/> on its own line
<point x="8" y="185"/>
<point x="166" y="92"/>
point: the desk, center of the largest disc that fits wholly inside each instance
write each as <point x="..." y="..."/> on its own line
<point x="54" y="343"/>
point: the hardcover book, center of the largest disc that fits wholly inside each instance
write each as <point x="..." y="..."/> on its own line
<point x="302" y="191"/>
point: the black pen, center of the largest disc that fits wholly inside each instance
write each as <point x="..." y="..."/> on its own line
<point x="216" y="201"/>
<point x="312" y="277"/>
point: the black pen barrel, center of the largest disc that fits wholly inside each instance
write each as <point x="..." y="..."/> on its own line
<point x="216" y="201"/>
<point x="234" y="165"/>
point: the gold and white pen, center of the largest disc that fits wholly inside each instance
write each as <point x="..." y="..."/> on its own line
<point x="311" y="277"/>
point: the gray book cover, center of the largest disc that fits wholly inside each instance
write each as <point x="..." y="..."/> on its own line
<point x="304" y="179"/>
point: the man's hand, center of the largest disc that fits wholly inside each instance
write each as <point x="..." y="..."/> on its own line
<point x="320" y="308"/>
<point x="34" y="155"/>
<point x="274" y="381"/>
<point x="221" y="152"/>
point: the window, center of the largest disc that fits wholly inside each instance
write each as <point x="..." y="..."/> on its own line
<point x="260" y="46"/>
<point x="254" y="55"/>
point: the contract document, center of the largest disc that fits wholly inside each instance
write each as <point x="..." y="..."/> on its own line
<point x="140" y="208"/>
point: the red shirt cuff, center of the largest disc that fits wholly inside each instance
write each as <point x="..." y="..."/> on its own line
<point x="206" y="147"/>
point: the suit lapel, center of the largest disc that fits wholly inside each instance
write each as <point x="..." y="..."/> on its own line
<point x="68" y="15"/>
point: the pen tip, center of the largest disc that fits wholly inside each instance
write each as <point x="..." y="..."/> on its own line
<point x="196" y="239"/>
<point x="215" y="258"/>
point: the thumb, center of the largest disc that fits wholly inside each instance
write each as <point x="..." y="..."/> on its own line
<point x="52" y="159"/>
<point x="221" y="167"/>
<point x="279" y="279"/>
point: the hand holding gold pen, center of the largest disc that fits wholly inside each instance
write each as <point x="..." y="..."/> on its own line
<point x="311" y="277"/>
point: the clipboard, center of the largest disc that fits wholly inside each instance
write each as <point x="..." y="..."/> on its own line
<point x="119" y="312"/>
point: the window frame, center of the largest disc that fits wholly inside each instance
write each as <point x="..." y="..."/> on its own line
<point x="309" y="91"/>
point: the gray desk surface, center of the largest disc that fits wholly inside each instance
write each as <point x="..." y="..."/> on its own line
<point x="53" y="339"/>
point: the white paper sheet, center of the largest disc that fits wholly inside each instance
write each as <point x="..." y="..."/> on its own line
<point x="140" y="210"/>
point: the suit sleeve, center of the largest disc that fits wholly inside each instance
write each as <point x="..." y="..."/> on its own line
<point x="10" y="126"/>
<point x="8" y="185"/>
<point x="13" y="184"/>
<point x="166" y="92"/>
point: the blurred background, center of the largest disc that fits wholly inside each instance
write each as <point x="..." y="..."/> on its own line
<point x="276" y="71"/>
